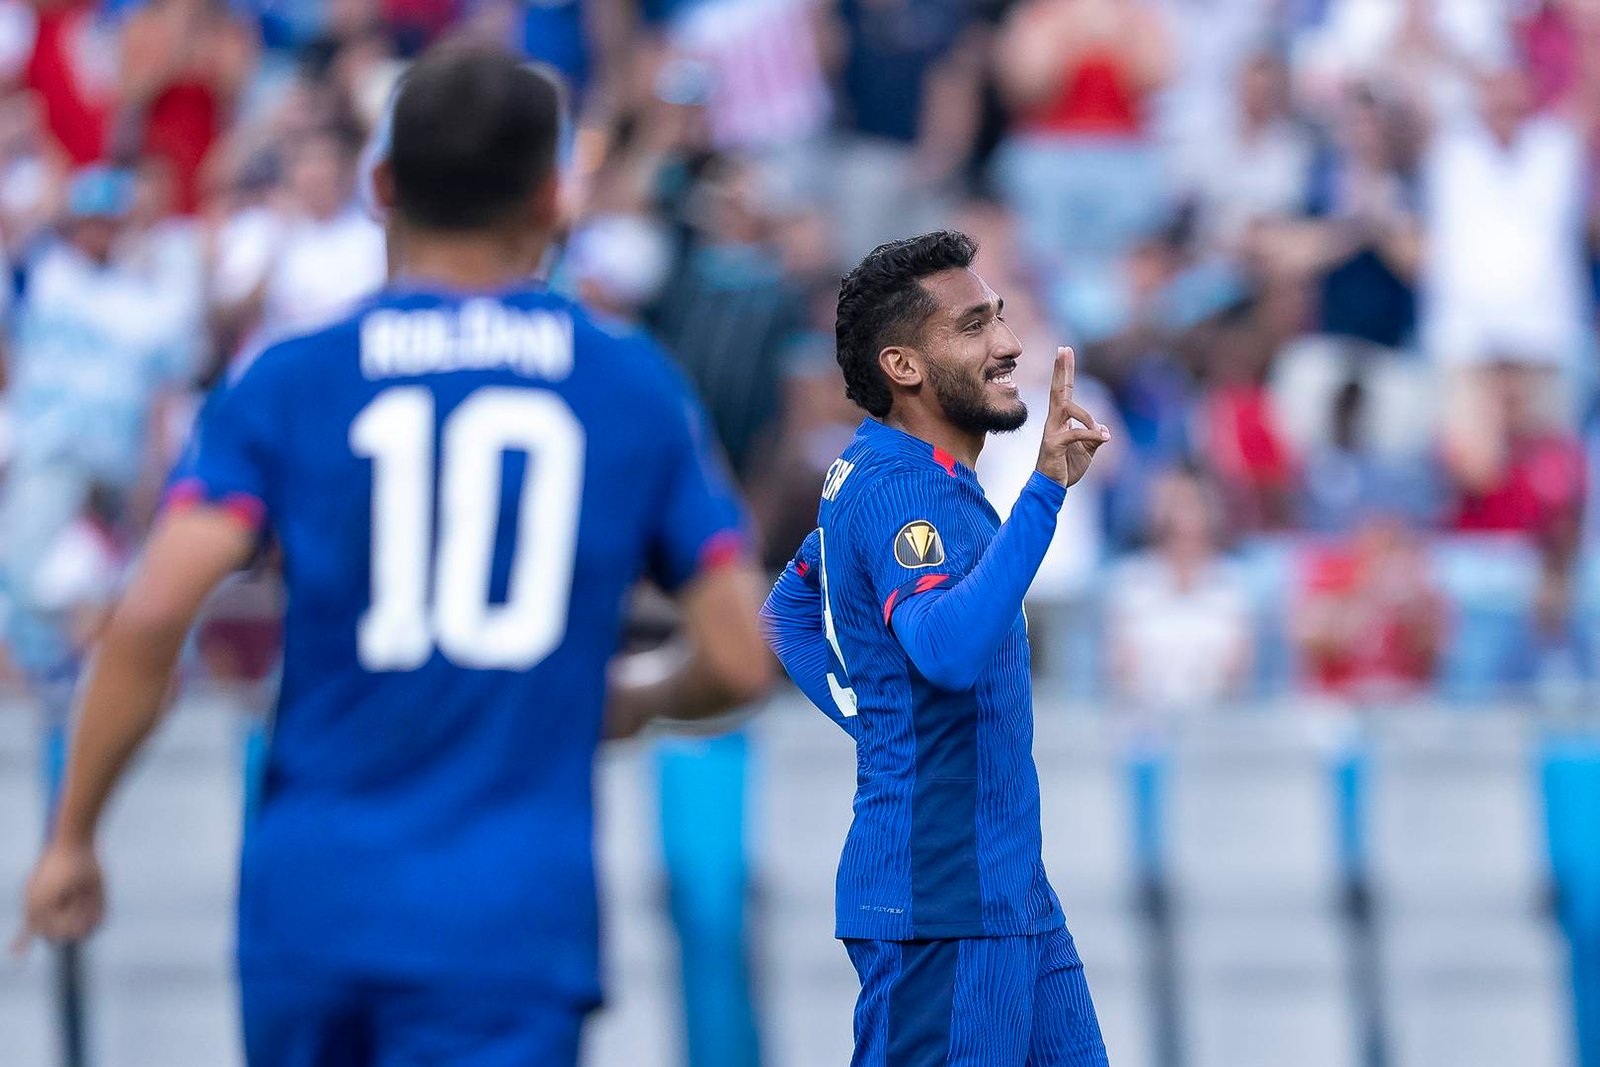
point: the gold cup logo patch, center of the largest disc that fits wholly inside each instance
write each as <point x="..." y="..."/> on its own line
<point x="918" y="545"/>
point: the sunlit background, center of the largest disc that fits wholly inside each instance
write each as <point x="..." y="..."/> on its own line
<point x="1317" y="640"/>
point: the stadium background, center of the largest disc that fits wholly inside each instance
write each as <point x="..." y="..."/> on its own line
<point x="1318" y="637"/>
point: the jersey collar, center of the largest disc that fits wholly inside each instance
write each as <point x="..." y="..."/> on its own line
<point x="881" y="437"/>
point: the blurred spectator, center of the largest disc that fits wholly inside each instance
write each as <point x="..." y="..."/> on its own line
<point x="909" y="109"/>
<point x="96" y="343"/>
<point x="1361" y="251"/>
<point x="1179" y="618"/>
<point x="1503" y="213"/>
<point x="1257" y="165"/>
<point x="1421" y="48"/>
<point x="73" y="68"/>
<point x="1345" y="478"/>
<point x="728" y="313"/>
<point x="1213" y="41"/>
<point x="1525" y="475"/>
<point x="765" y="93"/>
<point x="33" y="171"/>
<point x="1369" y="623"/>
<point x="1079" y="162"/>
<point x="184" y="65"/>
<point x="304" y="259"/>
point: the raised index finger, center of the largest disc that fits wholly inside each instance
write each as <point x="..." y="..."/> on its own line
<point x="1058" y="375"/>
<point x="1066" y="372"/>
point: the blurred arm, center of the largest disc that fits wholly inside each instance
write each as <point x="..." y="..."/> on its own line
<point x="189" y="553"/>
<point x="726" y="665"/>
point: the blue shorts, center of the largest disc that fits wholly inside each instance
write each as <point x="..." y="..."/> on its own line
<point x="320" y="1022"/>
<point x="983" y="1001"/>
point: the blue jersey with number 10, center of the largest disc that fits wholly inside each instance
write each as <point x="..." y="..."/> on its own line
<point x="464" y="488"/>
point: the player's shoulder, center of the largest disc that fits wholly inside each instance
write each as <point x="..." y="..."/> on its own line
<point x="302" y="357"/>
<point x="874" y="477"/>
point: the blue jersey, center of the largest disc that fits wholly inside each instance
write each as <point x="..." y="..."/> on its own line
<point x="945" y="839"/>
<point x="463" y="489"/>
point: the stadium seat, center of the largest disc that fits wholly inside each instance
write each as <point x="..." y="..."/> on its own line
<point x="1474" y="993"/>
<point x="161" y="970"/>
<point x="804" y="788"/>
<point x="1086" y="810"/>
<point x="805" y="782"/>
<point x="1251" y="816"/>
<point x="1491" y="581"/>
<point x="638" y="1024"/>
<point x="1261" y="991"/>
<point x="1453" y="818"/>
<point x="1115" y="949"/>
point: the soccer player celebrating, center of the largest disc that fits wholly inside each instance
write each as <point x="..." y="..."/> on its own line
<point x="902" y="618"/>
<point x="464" y="478"/>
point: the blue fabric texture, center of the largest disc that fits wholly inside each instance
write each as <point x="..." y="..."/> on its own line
<point x="975" y="1002"/>
<point x="427" y="813"/>
<point x="945" y="840"/>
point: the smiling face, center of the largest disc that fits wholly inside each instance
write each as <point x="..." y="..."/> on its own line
<point x="969" y="354"/>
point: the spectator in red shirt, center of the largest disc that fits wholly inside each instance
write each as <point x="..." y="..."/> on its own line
<point x="1368" y="622"/>
<point x="184" y="65"/>
<point x="1525" y="475"/>
<point x="73" y="68"/>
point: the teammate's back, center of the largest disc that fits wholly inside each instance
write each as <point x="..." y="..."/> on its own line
<point x="462" y="497"/>
<point x="463" y="478"/>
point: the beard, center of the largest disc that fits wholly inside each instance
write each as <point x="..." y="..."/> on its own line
<point x="967" y="404"/>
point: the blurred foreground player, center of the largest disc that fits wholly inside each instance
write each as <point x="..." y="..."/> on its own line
<point x="464" y="477"/>
<point x="902" y="619"/>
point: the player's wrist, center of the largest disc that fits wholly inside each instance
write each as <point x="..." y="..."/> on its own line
<point x="1047" y="486"/>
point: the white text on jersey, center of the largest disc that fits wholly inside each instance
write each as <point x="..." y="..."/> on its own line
<point x="479" y="335"/>
<point x="835" y="480"/>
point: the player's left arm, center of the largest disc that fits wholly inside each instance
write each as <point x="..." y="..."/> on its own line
<point x="124" y="695"/>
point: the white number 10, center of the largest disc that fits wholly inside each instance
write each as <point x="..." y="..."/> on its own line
<point x="400" y="629"/>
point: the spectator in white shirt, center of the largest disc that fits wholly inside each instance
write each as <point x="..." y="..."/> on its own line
<point x="1258" y="166"/>
<point x="303" y="261"/>
<point x="1180" y="620"/>
<point x="1503" y="224"/>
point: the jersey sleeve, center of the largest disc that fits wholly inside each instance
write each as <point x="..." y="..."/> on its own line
<point x="701" y="522"/>
<point x="912" y="531"/>
<point x="228" y="460"/>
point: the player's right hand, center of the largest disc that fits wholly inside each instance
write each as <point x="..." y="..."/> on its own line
<point x="1066" y="449"/>
<point x="65" y="897"/>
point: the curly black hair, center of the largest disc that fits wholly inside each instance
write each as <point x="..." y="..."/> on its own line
<point x="882" y="303"/>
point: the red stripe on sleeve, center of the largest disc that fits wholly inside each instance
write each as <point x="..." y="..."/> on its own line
<point x="888" y="606"/>
<point x="721" y="549"/>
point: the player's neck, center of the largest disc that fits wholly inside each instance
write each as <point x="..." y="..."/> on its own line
<point x="470" y="262"/>
<point x="938" y="432"/>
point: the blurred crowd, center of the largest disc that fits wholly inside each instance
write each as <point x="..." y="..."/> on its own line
<point x="1330" y="268"/>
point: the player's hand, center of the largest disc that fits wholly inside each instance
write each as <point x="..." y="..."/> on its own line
<point x="1067" y="449"/>
<point x="65" y="897"/>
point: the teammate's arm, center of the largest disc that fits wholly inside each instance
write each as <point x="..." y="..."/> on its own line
<point x="726" y="663"/>
<point x="125" y="692"/>
<point x="951" y="632"/>
<point x="700" y="556"/>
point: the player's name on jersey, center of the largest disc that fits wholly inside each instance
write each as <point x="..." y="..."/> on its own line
<point x="478" y="335"/>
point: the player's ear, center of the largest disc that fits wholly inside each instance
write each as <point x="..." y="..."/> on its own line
<point x="383" y="192"/>
<point x="902" y="365"/>
<point x="546" y="204"/>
